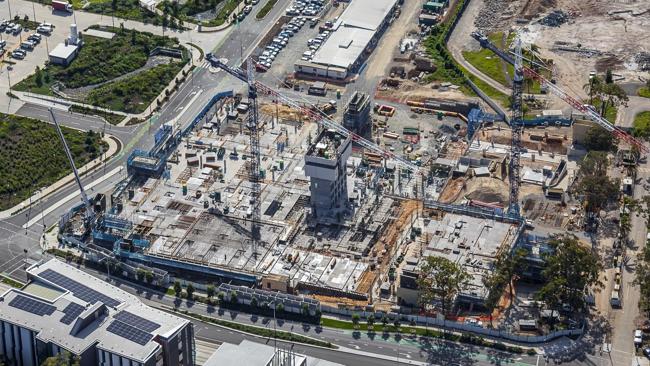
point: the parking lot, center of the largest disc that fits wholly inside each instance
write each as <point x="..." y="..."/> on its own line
<point x="16" y="69"/>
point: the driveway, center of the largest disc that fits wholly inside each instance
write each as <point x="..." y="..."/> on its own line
<point x="635" y="105"/>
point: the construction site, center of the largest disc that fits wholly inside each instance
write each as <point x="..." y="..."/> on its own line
<point x="342" y="201"/>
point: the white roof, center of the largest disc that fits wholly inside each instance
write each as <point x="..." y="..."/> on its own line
<point x="353" y="31"/>
<point x="77" y="335"/>
<point x="366" y="14"/>
<point x="63" y="51"/>
<point x="343" y="47"/>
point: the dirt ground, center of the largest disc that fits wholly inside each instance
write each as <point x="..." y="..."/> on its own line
<point x="486" y="189"/>
<point x="618" y="29"/>
<point x="549" y="139"/>
<point x="410" y="90"/>
<point x="623" y="35"/>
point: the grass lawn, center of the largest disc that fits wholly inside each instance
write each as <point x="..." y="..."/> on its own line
<point x="610" y="112"/>
<point x="111" y="118"/>
<point x="642" y="125"/>
<point x="31" y="156"/>
<point x="124" y="9"/>
<point x="101" y="60"/>
<point x="490" y="64"/>
<point x="187" y="10"/>
<point x="644" y="92"/>
<point x="266" y="9"/>
<point x="133" y="95"/>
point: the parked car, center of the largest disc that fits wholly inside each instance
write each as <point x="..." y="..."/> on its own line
<point x="646" y="352"/>
<point x="18" y="55"/>
<point x="27" y="45"/>
<point x="44" y="30"/>
<point x="638" y="337"/>
<point x="3" y="43"/>
<point x="36" y="38"/>
<point x="247" y="9"/>
<point x="9" y="28"/>
<point x="17" y="29"/>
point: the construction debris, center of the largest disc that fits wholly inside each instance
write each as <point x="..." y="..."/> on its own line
<point x="643" y="61"/>
<point x="555" y="19"/>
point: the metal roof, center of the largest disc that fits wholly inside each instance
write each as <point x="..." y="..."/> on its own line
<point x="63" y="51"/>
<point x="75" y="329"/>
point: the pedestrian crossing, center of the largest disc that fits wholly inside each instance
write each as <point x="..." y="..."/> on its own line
<point x="204" y="350"/>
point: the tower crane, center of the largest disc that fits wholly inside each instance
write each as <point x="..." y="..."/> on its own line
<point x="314" y="114"/>
<point x="251" y="123"/>
<point x="89" y="215"/>
<point x="517" y="126"/>
<point x="566" y="97"/>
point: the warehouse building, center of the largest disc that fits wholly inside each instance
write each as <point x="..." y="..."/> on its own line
<point x="64" y="310"/>
<point x="354" y="35"/>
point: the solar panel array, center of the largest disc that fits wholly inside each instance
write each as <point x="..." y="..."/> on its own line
<point x="83" y="292"/>
<point x="72" y="311"/>
<point x="126" y="331"/>
<point x="32" y="306"/>
<point x="137" y="321"/>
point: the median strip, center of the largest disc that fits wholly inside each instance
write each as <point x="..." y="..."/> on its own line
<point x="262" y="332"/>
<point x="265" y="9"/>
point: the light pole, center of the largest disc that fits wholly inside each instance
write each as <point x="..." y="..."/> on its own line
<point x="34" y="10"/>
<point x="9" y="5"/>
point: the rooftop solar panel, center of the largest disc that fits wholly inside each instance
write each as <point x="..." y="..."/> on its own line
<point x="72" y="311"/>
<point x="137" y="321"/>
<point x="83" y="292"/>
<point x="32" y="306"/>
<point x="128" y="332"/>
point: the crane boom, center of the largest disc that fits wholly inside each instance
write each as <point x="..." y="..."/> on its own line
<point x="89" y="208"/>
<point x="566" y="97"/>
<point x="316" y="115"/>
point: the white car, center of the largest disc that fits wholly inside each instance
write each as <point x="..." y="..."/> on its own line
<point x="638" y="337"/>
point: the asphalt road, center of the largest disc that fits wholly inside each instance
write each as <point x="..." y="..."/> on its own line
<point x="407" y="348"/>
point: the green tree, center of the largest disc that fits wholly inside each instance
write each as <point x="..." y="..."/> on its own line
<point x="209" y="291"/>
<point x="279" y="308"/>
<point x="62" y="359"/>
<point x="506" y="267"/>
<point x="593" y="182"/>
<point x="178" y="289"/>
<point x="384" y="321"/>
<point x="190" y="291"/>
<point x="305" y="310"/>
<point x="254" y="302"/>
<point x="570" y="269"/>
<point x="38" y="77"/>
<point x="355" y="320"/>
<point x="441" y="279"/>
<point x="233" y="296"/>
<point x="133" y="37"/>
<point x="370" y="320"/>
<point x="140" y="274"/>
<point x="599" y="139"/>
<point x="148" y="276"/>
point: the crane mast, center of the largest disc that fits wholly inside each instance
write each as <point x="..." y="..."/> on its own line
<point x="89" y="214"/>
<point x="566" y="97"/>
<point x="517" y="126"/>
<point x="316" y="115"/>
<point x="252" y="125"/>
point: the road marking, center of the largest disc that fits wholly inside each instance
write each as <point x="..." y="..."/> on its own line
<point x="67" y="198"/>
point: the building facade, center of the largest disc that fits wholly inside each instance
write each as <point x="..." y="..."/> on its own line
<point x="64" y="311"/>
<point x="325" y="165"/>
